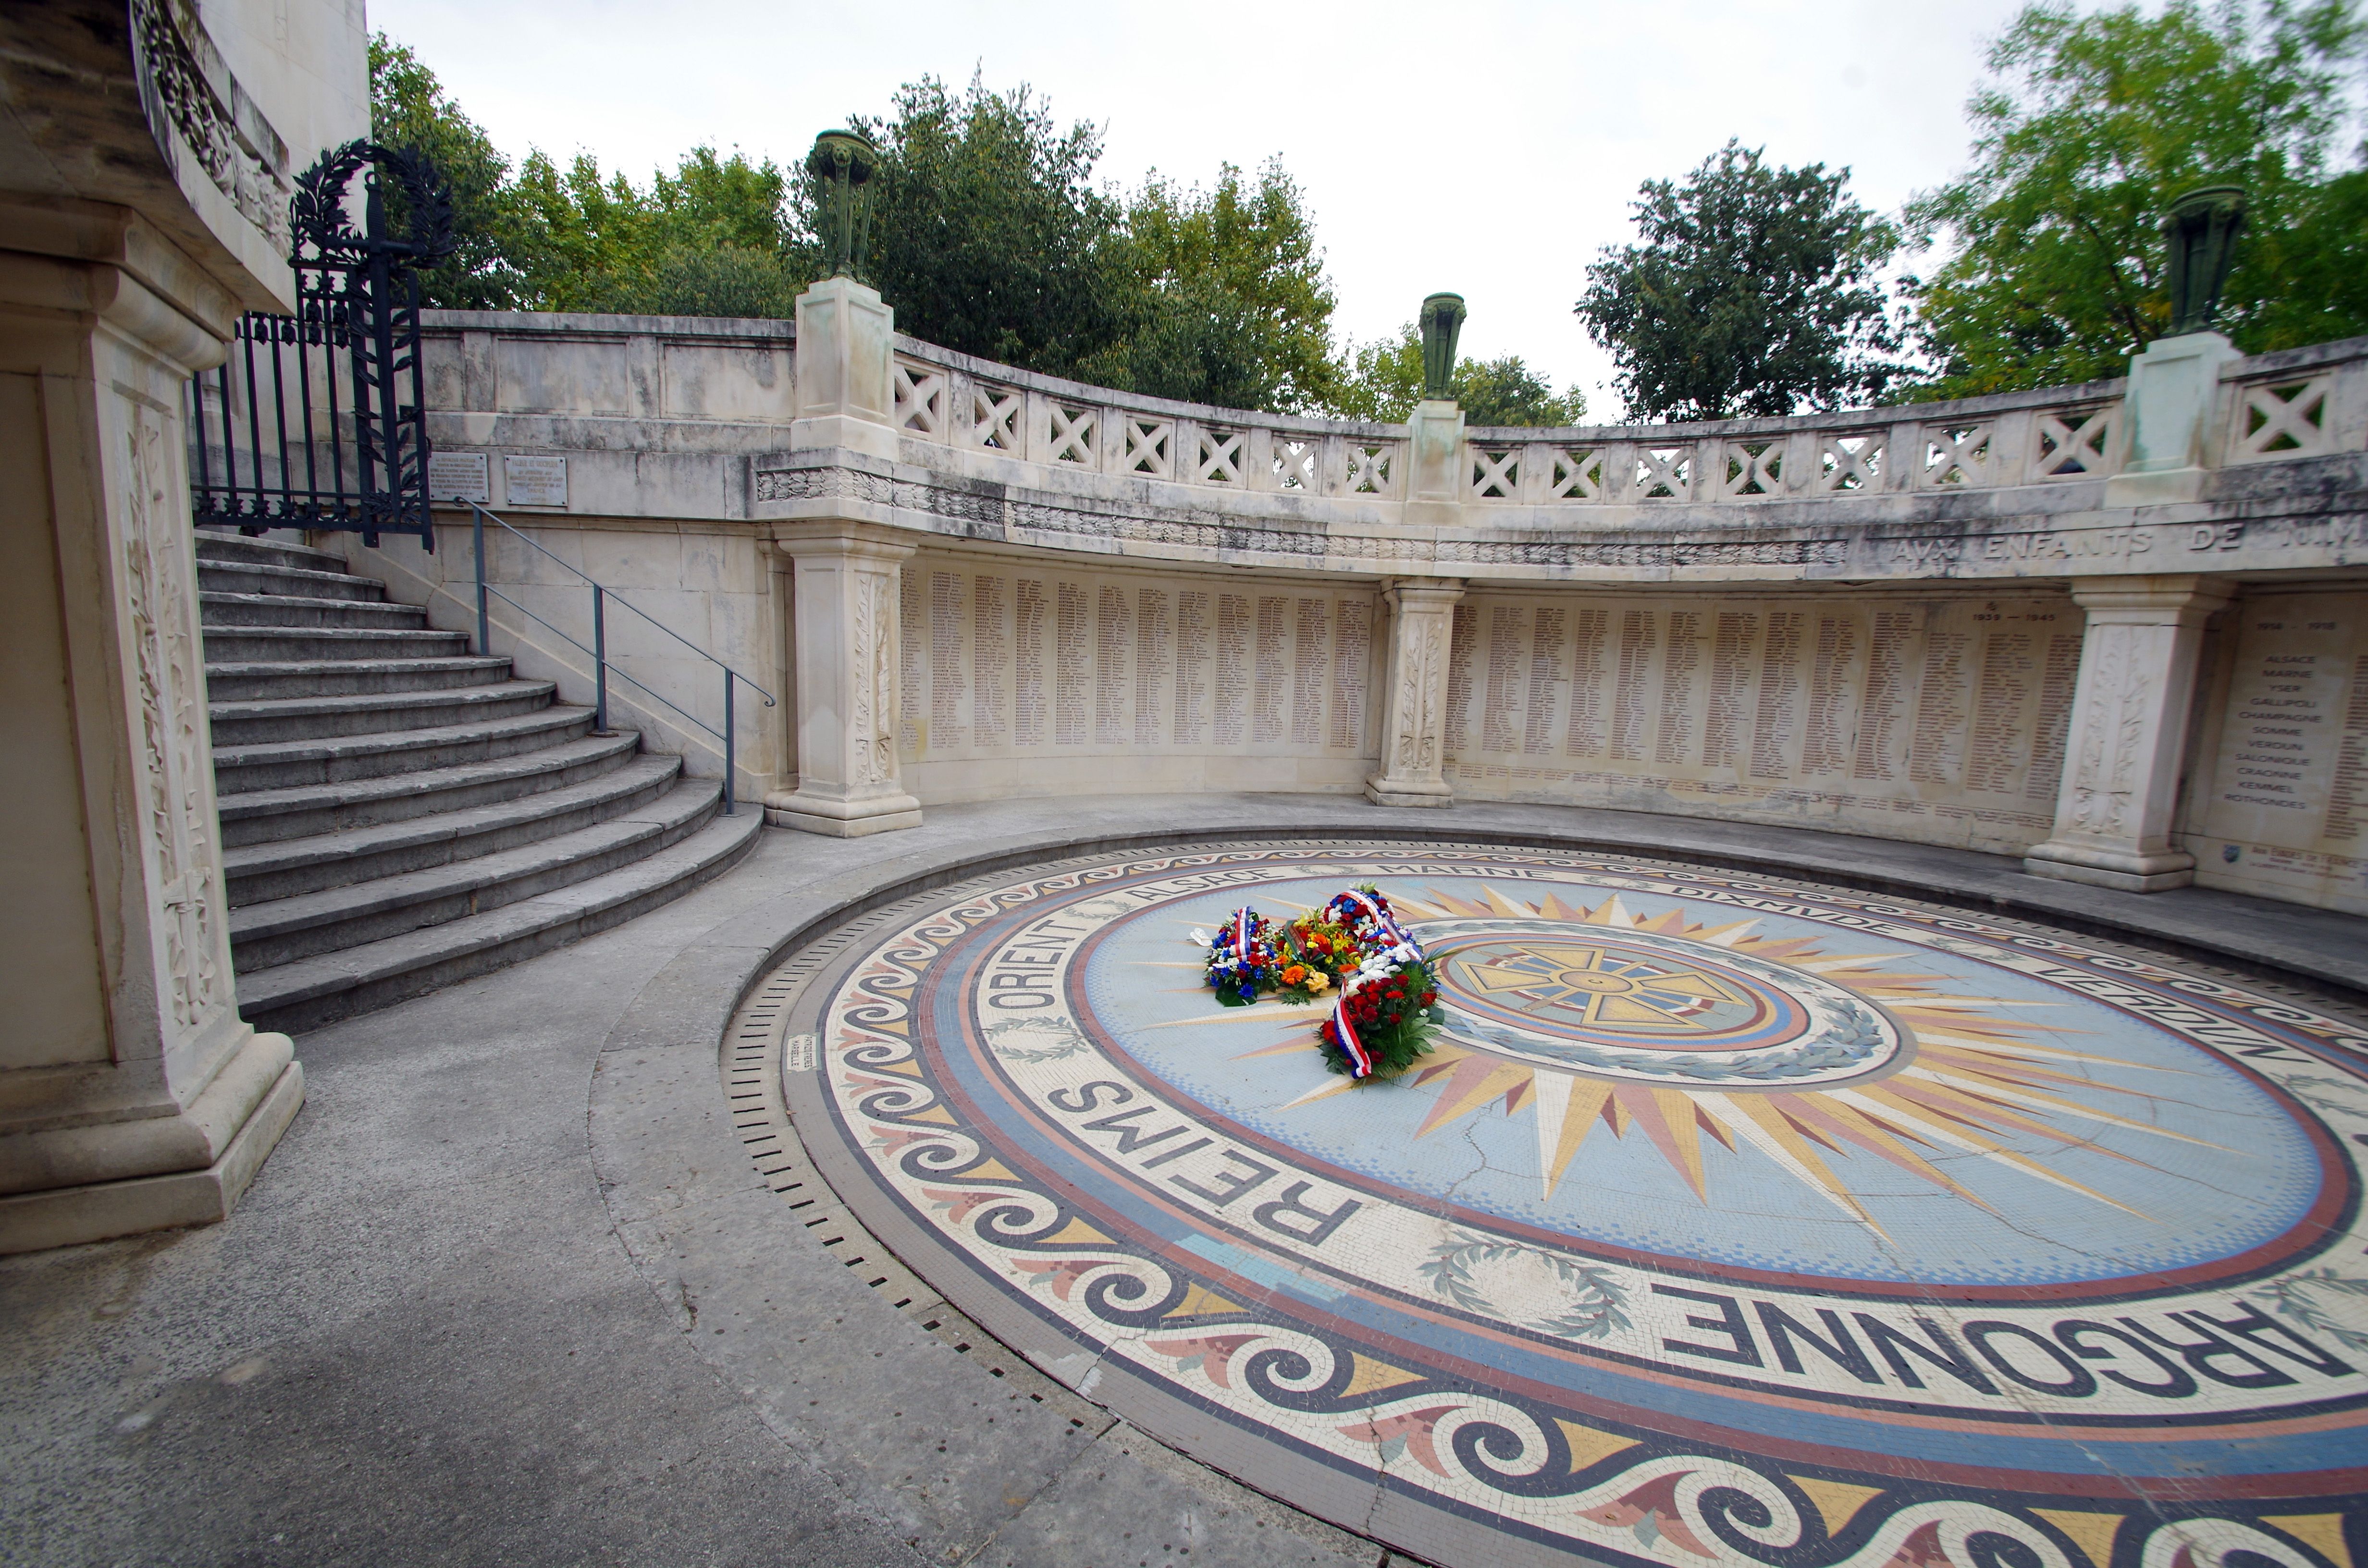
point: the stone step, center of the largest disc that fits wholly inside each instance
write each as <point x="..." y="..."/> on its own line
<point x="217" y="544"/>
<point x="272" y="645"/>
<point x="281" y="930"/>
<point x="296" y="609"/>
<point x="267" y="816"/>
<point x="279" y="765"/>
<point x="249" y="681"/>
<point x="253" y="577"/>
<point x="315" y="990"/>
<point x="372" y="712"/>
<point x="260" y="872"/>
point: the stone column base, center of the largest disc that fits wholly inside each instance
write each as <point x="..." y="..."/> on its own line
<point x="64" y="1216"/>
<point x="842" y="819"/>
<point x="2124" y="872"/>
<point x="1408" y="792"/>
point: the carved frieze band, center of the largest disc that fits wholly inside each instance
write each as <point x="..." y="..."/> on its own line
<point x="190" y="98"/>
<point x="997" y="516"/>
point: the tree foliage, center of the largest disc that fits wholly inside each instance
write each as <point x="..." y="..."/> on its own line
<point x="1756" y="291"/>
<point x="2089" y="129"/>
<point x="988" y="233"/>
<point x="1384" y="382"/>
<point x="410" y="108"/>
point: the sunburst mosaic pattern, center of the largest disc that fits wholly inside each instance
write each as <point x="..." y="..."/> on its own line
<point x="1733" y="1221"/>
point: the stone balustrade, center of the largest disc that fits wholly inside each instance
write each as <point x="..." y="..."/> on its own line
<point x="2118" y="632"/>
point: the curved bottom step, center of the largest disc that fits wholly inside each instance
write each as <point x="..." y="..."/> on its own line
<point x="323" y="989"/>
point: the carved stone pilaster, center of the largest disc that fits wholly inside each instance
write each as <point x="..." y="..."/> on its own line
<point x="133" y="1095"/>
<point x="2130" y="711"/>
<point x="1422" y="613"/>
<point x="846" y="583"/>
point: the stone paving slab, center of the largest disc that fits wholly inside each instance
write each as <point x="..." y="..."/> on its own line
<point x="452" y="1320"/>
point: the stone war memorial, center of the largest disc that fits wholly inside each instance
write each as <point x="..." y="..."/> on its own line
<point x="906" y="960"/>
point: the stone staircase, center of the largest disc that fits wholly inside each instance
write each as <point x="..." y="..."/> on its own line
<point x="398" y="814"/>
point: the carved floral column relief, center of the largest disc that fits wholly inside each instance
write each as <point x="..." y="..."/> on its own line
<point x="1421" y="613"/>
<point x="178" y="770"/>
<point x="845" y="581"/>
<point x="2138" y="660"/>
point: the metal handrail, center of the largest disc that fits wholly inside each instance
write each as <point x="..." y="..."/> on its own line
<point x="598" y="652"/>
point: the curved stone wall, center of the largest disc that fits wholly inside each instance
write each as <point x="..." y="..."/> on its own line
<point x="2009" y="624"/>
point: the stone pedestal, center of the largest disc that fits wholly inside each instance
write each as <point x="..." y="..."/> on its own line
<point x="845" y="582"/>
<point x="132" y="1096"/>
<point x="2174" y="395"/>
<point x="846" y="398"/>
<point x="2130" y="712"/>
<point x="1435" y="477"/>
<point x="1422" y="614"/>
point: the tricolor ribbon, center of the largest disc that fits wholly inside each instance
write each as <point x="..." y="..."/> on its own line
<point x="1361" y="1060"/>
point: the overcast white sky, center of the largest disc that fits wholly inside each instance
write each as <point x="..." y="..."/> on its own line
<point x="1487" y="148"/>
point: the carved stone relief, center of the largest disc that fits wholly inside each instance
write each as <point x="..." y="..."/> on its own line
<point x="169" y="669"/>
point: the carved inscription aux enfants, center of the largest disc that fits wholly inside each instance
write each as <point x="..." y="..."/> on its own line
<point x="1935" y="719"/>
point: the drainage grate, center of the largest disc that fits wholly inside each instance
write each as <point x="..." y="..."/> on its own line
<point x="752" y="1066"/>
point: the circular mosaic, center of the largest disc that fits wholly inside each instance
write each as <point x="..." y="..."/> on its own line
<point x="1731" y="1220"/>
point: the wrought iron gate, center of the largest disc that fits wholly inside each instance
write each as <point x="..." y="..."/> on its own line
<point x="318" y="420"/>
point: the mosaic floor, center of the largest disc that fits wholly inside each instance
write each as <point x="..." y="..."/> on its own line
<point x="1734" y="1222"/>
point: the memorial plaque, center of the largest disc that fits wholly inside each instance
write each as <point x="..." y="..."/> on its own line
<point x="1726" y="723"/>
<point x="1936" y="751"/>
<point x="1833" y="699"/>
<point x="1544" y="700"/>
<point x="2347" y="803"/>
<point x="534" y="479"/>
<point x="1859" y="714"/>
<point x="948" y="659"/>
<point x="1463" y="636"/>
<point x="1776" y="719"/>
<point x="1352" y="663"/>
<point x="2289" y="779"/>
<point x="1586" y="683"/>
<point x="1113" y="683"/>
<point x="1192" y="665"/>
<point x="1500" y="718"/>
<point x="461" y="476"/>
<point x="1070" y="672"/>
<point x="2057" y="686"/>
<point x="1154" y="656"/>
<point x="1680" y="704"/>
<point x="1266" y="703"/>
<point x="1233" y="685"/>
<point x="990" y="662"/>
<point x="2009" y="678"/>
<point x="1632" y="694"/>
<point x="1310" y="653"/>
<point x="912" y="630"/>
<point x="1031" y="707"/>
<point x="1890" y="656"/>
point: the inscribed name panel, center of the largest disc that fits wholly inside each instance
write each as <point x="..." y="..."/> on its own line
<point x="1940" y="719"/>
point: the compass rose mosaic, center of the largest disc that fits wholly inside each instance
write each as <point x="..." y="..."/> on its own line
<point x="1731" y="1221"/>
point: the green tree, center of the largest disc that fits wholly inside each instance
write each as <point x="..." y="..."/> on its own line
<point x="2090" y="127"/>
<point x="988" y="233"/>
<point x="410" y="108"/>
<point x="1232" y="304"/>
<point x="711" y="239"/>
<point x="1756" y="291"/>
<point x="1382" y="381"/>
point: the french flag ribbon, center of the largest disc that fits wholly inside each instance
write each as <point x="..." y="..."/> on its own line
<point x="1242" y="932"/>
<point x="1361" y="1060"/>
